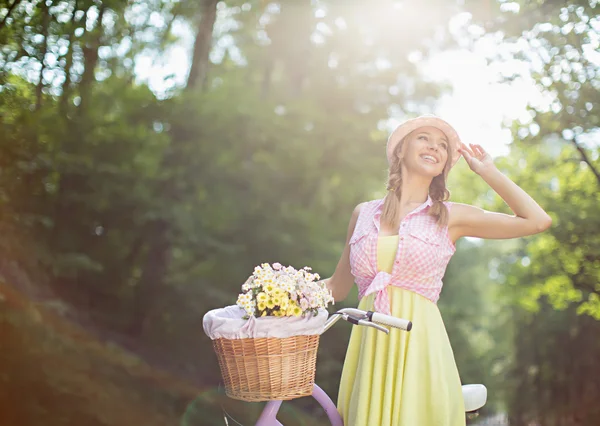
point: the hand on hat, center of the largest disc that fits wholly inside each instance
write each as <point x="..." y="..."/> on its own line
<point x="476" y="157"/>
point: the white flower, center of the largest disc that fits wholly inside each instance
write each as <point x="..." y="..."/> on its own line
<point x="304" y="304"/>
<point x="299" y="287"/>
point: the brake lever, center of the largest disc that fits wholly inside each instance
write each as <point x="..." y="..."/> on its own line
<point x="374" y="325"/>
<point x="360" y="319"/>
<point x="356" y="313"/>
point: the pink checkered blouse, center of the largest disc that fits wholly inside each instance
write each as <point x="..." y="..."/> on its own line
<point x="424" y="250"/>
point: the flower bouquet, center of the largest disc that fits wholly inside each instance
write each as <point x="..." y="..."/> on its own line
<point x="283" y="291"/>
<point x="266" y="343"/>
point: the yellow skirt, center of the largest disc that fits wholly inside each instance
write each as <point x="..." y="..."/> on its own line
<point x="404" y="378"/>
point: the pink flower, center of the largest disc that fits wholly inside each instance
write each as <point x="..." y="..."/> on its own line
<point x="277" y="266"/>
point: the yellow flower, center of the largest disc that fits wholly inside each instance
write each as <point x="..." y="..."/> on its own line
<point x="261" y="306"/>
<point x="264" y="314"/>
<point x="277" y="300"/>
<point x="297" y="311"/>
<point x="278" y="313"/>
<point x="261" y="297"/>
<point x="285" y="301"/>
<point x="269" y="288"/>
<point x="270" y="303"/>
<point x="291" y="306"/>
<point x="278" y="292"/>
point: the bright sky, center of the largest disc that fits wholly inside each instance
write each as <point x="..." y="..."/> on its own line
<point x="477" y="106"/>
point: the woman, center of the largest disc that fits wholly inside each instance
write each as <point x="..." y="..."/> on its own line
<point x="397" y="250"/>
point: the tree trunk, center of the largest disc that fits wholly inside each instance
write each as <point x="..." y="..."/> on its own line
<point x="45" y="27"/>
<point x="290" y="35"/>
<point x="202" y="45"/>
<point x="66" y="86"/>
<point x="90" y="60"/>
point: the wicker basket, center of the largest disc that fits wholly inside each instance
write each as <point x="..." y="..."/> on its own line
<point x="265" y="369"/>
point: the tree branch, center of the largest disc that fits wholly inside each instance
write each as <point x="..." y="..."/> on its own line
<point x="10" y="9"/>
<point x="586" y="159"/>
<point x="585" y="286"/>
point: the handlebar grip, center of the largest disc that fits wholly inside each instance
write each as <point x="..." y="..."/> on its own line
<point x="391" y="321"/>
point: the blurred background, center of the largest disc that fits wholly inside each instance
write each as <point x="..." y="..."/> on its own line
<point x="152" y="152"/>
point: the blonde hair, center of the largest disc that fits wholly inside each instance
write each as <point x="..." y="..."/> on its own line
<point x="437" y="191"/>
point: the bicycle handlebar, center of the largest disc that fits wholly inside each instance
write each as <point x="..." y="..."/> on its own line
<point x="400" y="323"/>
<point x="368" y="319"/>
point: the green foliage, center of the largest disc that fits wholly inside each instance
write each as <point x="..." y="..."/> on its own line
<point x="560" y="264"/>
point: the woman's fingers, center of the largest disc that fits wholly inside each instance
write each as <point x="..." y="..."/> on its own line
<point x="475" y="150"/>
<point x="466" y="152"/>
<point x="464" y="148"/>
<point x="478" y="150"/>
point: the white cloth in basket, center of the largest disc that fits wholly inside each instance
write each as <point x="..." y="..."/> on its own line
<point x="228" y="323"/>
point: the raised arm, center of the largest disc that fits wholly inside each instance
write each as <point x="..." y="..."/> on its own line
<point x="469" y="221"/>
<point x="342" y="279"/>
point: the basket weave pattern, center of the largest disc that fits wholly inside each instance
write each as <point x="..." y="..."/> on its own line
<point x="267" y="369"/>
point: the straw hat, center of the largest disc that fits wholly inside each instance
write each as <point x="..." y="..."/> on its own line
<point x="425" y="121"/>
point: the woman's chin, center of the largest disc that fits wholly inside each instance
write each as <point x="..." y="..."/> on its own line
<point x="425" y="170"/>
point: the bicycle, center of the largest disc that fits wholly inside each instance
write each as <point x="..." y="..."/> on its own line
<point x="475" y="395"/>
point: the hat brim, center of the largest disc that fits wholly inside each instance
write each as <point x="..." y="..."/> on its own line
<point x="425" y="121"/>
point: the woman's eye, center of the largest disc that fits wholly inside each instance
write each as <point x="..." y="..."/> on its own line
<point x="423" y="137"/>
<point x="444" y="146"/>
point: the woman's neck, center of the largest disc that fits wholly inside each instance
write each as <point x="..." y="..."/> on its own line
<point x="415" y="190"/>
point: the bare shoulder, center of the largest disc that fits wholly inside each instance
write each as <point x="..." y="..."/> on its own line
<point x="362" y="206"/>
<point x="358" y="209"/>
<point x="365" y="206"/>
<point x="353" y="221"/>
<point x="355" y="214"/>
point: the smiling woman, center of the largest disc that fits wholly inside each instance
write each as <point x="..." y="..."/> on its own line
<point x="397" y="251"/>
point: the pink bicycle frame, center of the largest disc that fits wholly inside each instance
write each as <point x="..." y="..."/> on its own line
<point x="269" y="414"/>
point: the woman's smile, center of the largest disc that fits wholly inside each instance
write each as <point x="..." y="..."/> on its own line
<point x="429" y="158"/>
